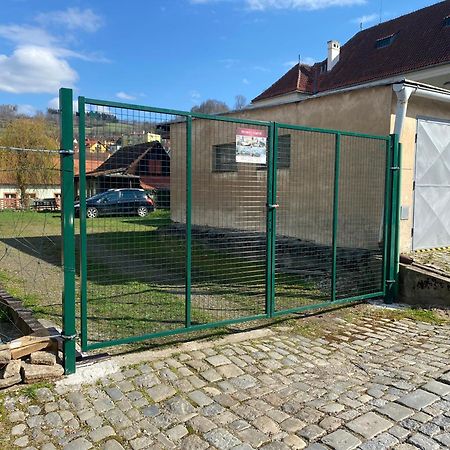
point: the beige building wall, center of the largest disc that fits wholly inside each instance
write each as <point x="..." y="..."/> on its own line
<point x="417" y="107"/>
<point x="305" y="190"/>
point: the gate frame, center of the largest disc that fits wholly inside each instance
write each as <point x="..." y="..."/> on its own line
<point x="388" y="289"/>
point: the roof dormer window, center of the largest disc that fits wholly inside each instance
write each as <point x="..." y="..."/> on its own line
<point x="385" y="41"/>
<point x="447" y="21"/>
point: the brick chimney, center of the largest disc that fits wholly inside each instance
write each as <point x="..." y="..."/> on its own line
<point x="334" y="48"/>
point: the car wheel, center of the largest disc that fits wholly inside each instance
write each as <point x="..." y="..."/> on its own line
<point x="91" y="212"/>
<point x="142" y="211"/>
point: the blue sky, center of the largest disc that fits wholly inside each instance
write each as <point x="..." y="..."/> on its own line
<point x="168" y="53"/>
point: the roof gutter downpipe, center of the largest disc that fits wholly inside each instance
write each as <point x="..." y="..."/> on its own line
<point x="403" y="93"/>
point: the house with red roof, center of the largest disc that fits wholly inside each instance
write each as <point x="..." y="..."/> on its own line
<point x="391" y="78"/>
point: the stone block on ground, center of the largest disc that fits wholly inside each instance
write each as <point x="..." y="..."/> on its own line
<point x="12" y="369"/>
<point x="43" y="358"/>
<point x="11" y="381"/>
<point x="5" y="356"/>
<point x="33" y="373"/>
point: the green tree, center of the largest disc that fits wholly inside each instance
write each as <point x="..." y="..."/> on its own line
<point x="27" y="167"/>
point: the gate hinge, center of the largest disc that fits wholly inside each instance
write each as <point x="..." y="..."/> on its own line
<point x="66" y="152"/>
<point x="275" y="206"/>
<point x="395" y="168"/>
<point x="390" y="281"/>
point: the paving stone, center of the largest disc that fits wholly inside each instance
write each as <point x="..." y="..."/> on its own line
<point x="341" y="440"/>
<point x="266" y="425"/>
<point x="399" y="432"/>
<point x="101" y="433"/>
<point x="161" y="392"/>
<point x="78" y="444"/>
<point x="218" y="360"/>
<point x="396" y="411"/>
<point x="443" y="439"/>
<point x="381" y="442"/>
<point x="193" y="442"/>
<point x="423" y="442"/>
<point x="418" y="399"/>
<point x="200" y="398"/>
<point x="22" y="441"/>
<point x="17" y="430"/>
<point x="253" y="437"/>
<point x="221" y="439"/>
<point x="437" y="388"/>
<point x="202" y="424"/>
<point x="177" y="432"/>
<point x="330" y="423"/>
<point x="230" y="371"/>
<point x="311" y="432"/>
<point x="275" y="445"/>
<point x="140" y="443"/>
<point x="369" y="425"/>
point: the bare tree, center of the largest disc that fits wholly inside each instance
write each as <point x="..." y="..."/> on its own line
<point x="240" y="102"/>
<point x="211" y="106"/>
<point x="24" y="168"/>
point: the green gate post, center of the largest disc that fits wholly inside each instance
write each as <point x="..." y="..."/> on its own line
<point x="394" y="222"/>
<point x="337" y="165"/>
<point x="188" y="220"/>
<point x="67" y="229"/>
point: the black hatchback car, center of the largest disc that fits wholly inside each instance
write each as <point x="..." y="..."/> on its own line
<point x="118" y="202"/>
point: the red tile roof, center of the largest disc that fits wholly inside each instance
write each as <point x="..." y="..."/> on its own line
<point x="420" y="41"/>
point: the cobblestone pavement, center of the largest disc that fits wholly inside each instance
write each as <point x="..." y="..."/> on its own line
<point x="372" y="385"/>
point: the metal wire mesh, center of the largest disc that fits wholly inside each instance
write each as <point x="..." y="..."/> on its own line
<point x="179" y="220"/>
<point x="229" y="224"/>
<point x="30" y="232"/>
<point x="135" y="252"/>
<point x="304" y="221"/>
<point x="360" y="216"/>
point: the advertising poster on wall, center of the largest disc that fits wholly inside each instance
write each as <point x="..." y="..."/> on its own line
<point x="251" y="146"/>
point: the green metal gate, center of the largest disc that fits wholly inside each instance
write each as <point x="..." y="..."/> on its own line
<point x="204" y="221"/>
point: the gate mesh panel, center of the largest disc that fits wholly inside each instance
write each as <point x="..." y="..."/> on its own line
<point x="228" y="226"/>
<point x="360" y="218"/>
<point x="147" y="276"/>
<point x="30" y="228"/>
<point x="304" y="218"/>
<point x="135" y="242"/>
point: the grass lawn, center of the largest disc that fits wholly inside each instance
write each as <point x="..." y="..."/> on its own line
<point x="136" y="274"/>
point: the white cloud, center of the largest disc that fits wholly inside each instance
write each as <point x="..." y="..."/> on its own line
<point x="54" y="104"/>
<point x="25" y="34"/>
<point x="245" y="81"/>
<point x="195" y="96"/>
<point x="73" y="19"/>
<point x="34" y="69"/>
<point x="26" y="110"/>
<point x="39" y="61"/>
<point x="262" y="5"/>
<point x="124" y="96"/>
<point x="366" y="19"/>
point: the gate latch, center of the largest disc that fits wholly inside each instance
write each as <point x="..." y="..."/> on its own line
<point x="275" y="206"/>
<point x="395" y="168"/>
